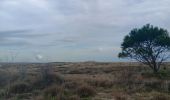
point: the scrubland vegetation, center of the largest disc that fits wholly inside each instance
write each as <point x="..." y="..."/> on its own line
<point x="83" y="81"/>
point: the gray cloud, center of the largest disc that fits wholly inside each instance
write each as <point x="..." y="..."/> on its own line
<point x="80" y="29"/>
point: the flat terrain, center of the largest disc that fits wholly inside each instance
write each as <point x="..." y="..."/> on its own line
<point x="83" y="81"/>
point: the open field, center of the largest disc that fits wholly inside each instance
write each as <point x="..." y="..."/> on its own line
<point x="83" y="81"/>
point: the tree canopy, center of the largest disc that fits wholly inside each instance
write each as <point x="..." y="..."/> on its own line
<point x="149" y="45"/>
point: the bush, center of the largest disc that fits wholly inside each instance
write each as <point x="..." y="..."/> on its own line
<point x="2" y="93"/>
<point x="162" y="74"/>
<point x="72" y="85"/>
<point x="7" y="77"/>
<point x="23" y="96"/>
<point x="19" y="88"/>
<point x="42" y="82"/>
<point x="86" y="91"/>
<point x="101" y="82"/>
<point x="160" y="97"/>
<point x="54" y="92"/>
<point x="120" y="96"/>
<point x="74" y="97"/>
<point x="39" y="98"/>
<point x="153" y="85"/>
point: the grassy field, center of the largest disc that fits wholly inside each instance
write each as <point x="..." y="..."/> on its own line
<point x="83" y="81"/>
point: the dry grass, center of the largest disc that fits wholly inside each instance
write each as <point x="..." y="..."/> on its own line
<point x="82" y="81"/>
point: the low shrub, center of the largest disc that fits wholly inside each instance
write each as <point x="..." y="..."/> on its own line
<point x="160" y="86"/>
<point x="54" y="93"/>
<point x="19" y="88"/>
<point x="160" y="97"/>
<point x="7" y="77"/>
<point x="72" y="85"/>
<point x="74" y="97"/>
<point x="101" y="82"/>
<point x="2" y="93"/>
<point x="23" y="96"/>
<point x="162" y="74"/>
<point x="40" y="97"/>
<point x="86" y="91"/>
<point x="120" y="96"/>
<point x="42" y="82"/>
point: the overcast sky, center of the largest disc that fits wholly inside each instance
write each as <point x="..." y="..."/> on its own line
<point x="73" y="30"/>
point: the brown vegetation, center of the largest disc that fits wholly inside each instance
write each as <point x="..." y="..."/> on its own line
<point x="83" y="81"/>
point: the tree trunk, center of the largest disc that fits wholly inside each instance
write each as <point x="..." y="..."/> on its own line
<point x="155" y="68"/>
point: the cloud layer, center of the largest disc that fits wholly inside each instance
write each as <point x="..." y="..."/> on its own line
<point x="74" y="30"/>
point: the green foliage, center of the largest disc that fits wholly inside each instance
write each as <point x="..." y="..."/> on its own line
<point x="162" y="74"/>
<point x="159" y="36"/>
<point x="149" y="45"/>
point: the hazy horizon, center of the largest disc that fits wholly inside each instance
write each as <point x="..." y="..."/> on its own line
<point x="73" y="30"/>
